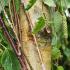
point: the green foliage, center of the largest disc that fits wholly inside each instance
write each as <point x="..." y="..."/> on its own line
<point x="1" y="52"/>
<point x="3" y="40"/>
<point x="3" y="3"/>
<point x="65" y="29"/>
<point x="68" y="3"/>
<point x="60" y="34"/>
<point x="17" y="5"/>
<point x="30" y="4"/>
<point x="57" y="21"/>
<point x="60" y="68"/>
<point x="9" y="60"/>
<point x="50" y="3"/>
<point x="56" y="54"/>
<point x="59" y="31"/>
<point x="39" y="25"/>
<point x="63" y="3"/>
<point x="56" y="42"/>
<point x="67" y="53"/>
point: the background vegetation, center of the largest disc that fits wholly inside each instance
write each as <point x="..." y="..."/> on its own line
<point x="55" y="29"/>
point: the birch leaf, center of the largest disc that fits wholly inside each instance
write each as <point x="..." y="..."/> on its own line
<point x="60" y="68"/>
<point x="9" y="61"/>
<point x="39" y="25"/>
<point x="57" y="18"/>
<point x="50" y="3"/>
<point x="55" y="53"/>
<point x="3" y="3"/>
<point x="30" y="4"/>
<point x="17" y="5"/>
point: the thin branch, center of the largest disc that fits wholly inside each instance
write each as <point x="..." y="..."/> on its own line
<point x="18" y="42"/>
<point x="3" y="46"/>
<point x="16" y="18"/>
<point x="10" y="11"/>
<point x="14" y="11"/>
<point x="9" y="22"/>
<point x="21" y="56"/>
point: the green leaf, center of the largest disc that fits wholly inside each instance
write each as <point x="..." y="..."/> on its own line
<point x="3" y="3"/>
<point x="50" y="3"/>
<point x="60" y="68"/>
<point x="39" y="25"/>
<point x="67" y="53"/>
<point x="56" y="41"/>
<point x="1" y="52"/>
<point x="17" y="5"/>
<point x="9" y="60"/>
<point x="56" y="54"/>
<point x="68" y="3"/>
<point x="65" y="27"/>
<point x="30" y="4"/>
<point x="4" y="40"/>
<point x="57" y="21"/>
<point x="6" y="2"/>
<point x="63" y="3"/>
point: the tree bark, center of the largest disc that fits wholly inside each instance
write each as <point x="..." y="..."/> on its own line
<point x="28" y="44"/>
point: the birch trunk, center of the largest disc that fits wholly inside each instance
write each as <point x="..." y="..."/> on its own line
<point x="28" y="44"/>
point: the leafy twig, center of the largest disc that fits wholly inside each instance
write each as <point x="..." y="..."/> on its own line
<point x="10" y="12"/>
<point x="3" y="46"/>
<point x="21" y="56"/>
<point x="18" y="42"/>
<point x="16" y="19"/>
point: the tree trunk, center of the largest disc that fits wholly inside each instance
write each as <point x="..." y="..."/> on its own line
<point x="27" y="41"/>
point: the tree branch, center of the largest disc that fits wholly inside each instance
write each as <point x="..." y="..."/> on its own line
<point x="21" y="57"/>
